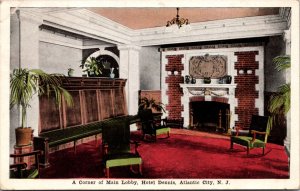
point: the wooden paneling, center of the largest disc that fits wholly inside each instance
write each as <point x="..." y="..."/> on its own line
<point x="95" y="99"/>
<point x="106" y="104"/>
<point x="91" y="105"/>
<point x="73" y="115"/>
<point x="47" y="106"/>
<point x="119" y="102"/>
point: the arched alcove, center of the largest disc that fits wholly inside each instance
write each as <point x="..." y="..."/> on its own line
<point x="108" y="60"/>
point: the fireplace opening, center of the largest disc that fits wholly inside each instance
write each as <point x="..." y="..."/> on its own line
<point x="210" y="116"/>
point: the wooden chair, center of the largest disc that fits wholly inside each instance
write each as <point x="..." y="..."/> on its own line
<point x="22" y="170"/>
<point x="257" y="136"/>
<point x="152" y="126"/>
<point x="116" y="147"/>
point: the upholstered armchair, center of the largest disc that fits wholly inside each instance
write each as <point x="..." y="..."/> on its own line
<point x="23" y="170"/>
<point x="152" y="126"/>
<point x="116" y="145"/>
<point x="256" y="137"/>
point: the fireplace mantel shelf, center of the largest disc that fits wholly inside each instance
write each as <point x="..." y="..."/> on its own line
<point x="209" y="89"/>
<point x="208" y="85"/>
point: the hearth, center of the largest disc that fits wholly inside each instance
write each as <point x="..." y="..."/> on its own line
<point x="214" y="94"/>
<point x="209" y="116"/>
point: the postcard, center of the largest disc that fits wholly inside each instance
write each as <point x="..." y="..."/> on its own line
<point x="129" y="95"/>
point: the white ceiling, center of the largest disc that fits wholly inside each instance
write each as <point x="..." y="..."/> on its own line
<point x="140" y="18"/>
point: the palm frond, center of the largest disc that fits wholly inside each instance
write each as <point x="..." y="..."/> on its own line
<point x="279" y="103"/>
<point x="282" y="62"/>
<point x="92" y="65"/>
<point x="151" y="103"/>
<point x="25" y="83"/>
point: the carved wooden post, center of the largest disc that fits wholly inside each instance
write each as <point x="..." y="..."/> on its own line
<point x="220" y="120"/>
<point x="228" y="116"/>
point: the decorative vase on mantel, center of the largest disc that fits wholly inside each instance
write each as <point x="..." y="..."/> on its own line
<point x="207" y="80"/>
<point x="193" y="80"/>
<point x="225" y="79"/>
<point x="187" y="79"/>
<point x="228" y="79"/>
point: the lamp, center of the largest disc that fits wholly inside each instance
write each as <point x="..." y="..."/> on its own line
<point x="173" y="72"/>
<point x="245" y="71"/>
<point x="178" y="23"/>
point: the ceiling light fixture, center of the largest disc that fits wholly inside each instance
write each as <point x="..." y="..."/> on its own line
<point x="177" y="24"/>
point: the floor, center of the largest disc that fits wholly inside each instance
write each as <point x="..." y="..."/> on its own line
<point x="186" y="154"/>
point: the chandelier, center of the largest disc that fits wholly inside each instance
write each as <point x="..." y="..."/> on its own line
<point x="178" y="25"/>
<point x="178" y="21"/>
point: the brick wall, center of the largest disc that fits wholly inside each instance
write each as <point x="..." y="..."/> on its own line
<point x="220" y="99"/>
<point x="174" y="92"/>
<point x="245" y="91"/>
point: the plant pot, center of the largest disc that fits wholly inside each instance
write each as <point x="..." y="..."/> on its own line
<point x="23" y="136"/>
<point x="70" y="73"/>
<point x="91" y="74"/>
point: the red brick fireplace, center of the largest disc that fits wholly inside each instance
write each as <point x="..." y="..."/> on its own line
<point x="244" y="96"/>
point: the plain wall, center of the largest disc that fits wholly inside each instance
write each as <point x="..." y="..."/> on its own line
<point x="57" y="59"/>
<point x="273" y="78"/>
<point x="150" y="68"/>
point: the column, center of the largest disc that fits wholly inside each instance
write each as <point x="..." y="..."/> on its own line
<point x="129" y="69"/>
<point x="287" y="141"/>
<point x="185" y="99"/>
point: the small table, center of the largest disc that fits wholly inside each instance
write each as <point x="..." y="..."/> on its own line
<point x="29" y="160"/>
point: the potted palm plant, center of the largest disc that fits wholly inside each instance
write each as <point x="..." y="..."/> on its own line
<point x="146" y="103"/>
<point x="24" y="83"/>
<point x="279" y="103"/>
<point x="92" y="66"/>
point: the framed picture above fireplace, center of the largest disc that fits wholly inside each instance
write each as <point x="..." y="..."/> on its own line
<point x="208" y="66"/>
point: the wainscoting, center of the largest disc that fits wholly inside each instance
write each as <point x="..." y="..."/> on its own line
<point x="95" y="99"/>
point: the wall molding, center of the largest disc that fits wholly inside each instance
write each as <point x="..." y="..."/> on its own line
<point x="248" y="27"/>
<point x="85" y="22"/>
<point x="285" y="13"/>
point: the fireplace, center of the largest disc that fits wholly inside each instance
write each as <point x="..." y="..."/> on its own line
<point x="208" y="100"/>
<point x="244" y="95"/>
<point x="209" y="116"/>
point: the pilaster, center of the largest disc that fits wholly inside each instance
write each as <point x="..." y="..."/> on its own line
<point x="287" y="141"/>
<point x="129" y="69"/>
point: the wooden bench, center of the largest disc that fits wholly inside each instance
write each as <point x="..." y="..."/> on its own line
<point x="58" y="137"/>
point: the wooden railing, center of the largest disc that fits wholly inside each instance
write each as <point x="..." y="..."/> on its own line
<point x="95" y="99"/>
